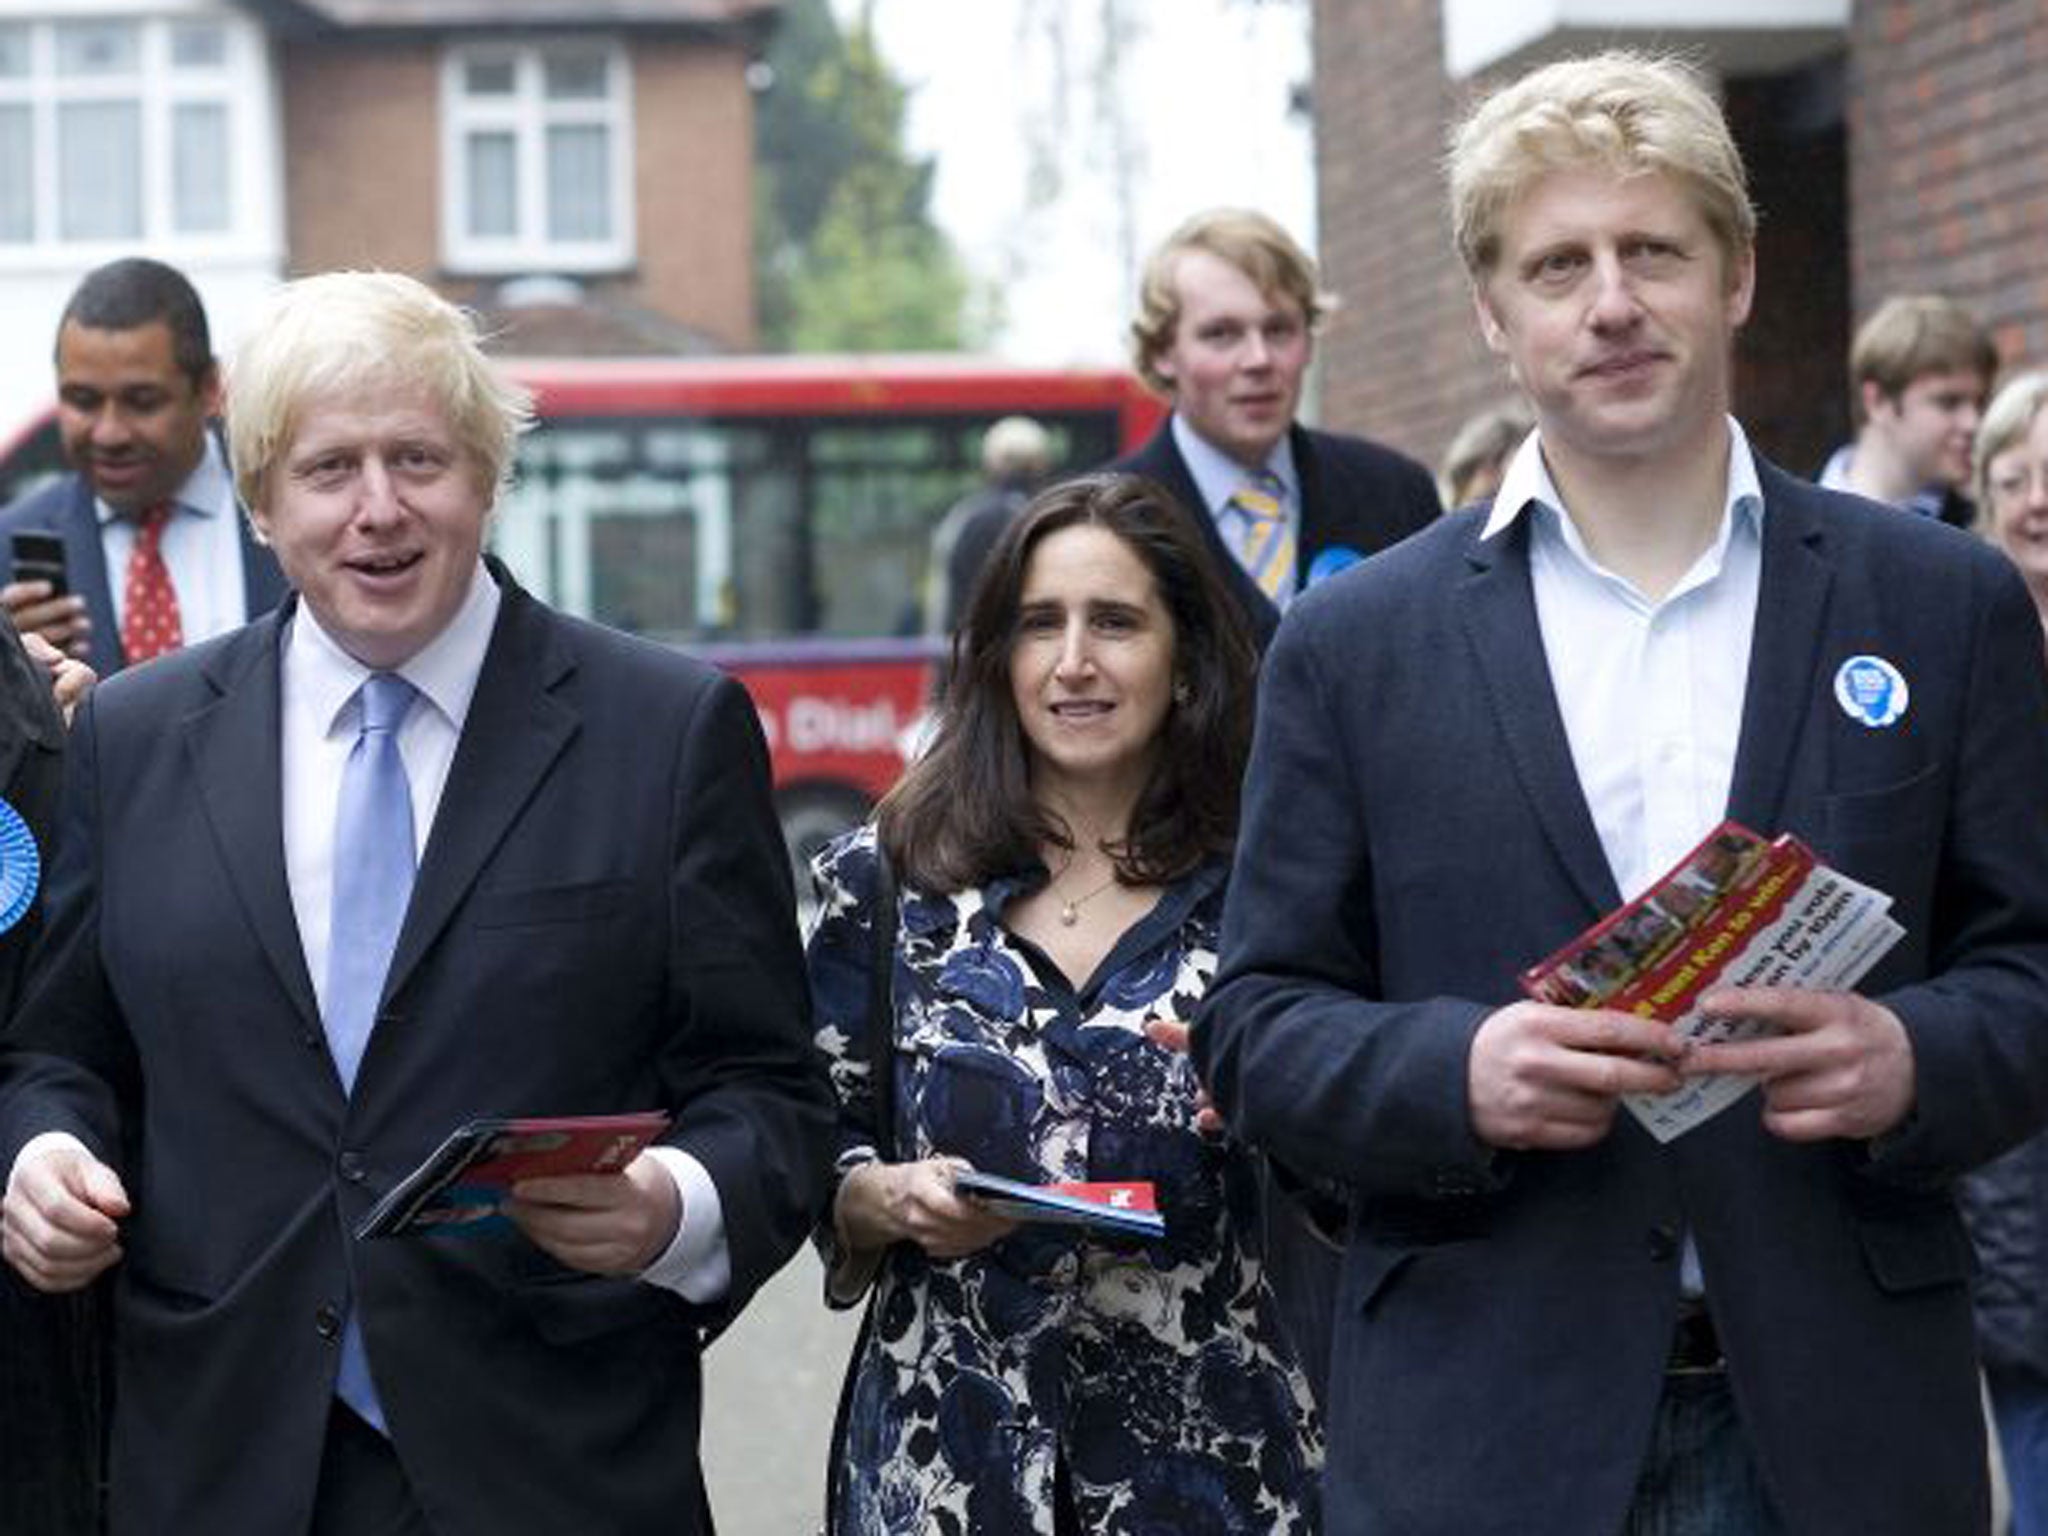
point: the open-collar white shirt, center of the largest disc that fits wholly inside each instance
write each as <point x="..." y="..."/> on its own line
<point x="1651" y="691"/>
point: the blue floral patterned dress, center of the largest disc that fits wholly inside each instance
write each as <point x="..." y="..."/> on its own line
<point x="1153" y="1371"/>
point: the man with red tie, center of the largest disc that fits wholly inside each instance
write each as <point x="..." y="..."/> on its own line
<point x="156" y="550"/>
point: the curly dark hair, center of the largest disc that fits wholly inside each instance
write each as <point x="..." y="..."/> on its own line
<point x="963" y="812"/>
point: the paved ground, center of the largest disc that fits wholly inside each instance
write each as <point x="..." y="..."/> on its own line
<point x="771" y="1385"/>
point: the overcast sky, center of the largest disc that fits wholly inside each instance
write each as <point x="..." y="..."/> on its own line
<point x="1205" y="87"/>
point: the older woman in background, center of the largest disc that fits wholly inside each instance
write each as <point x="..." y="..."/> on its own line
<point x="2012" y="479"/>
<point x="1062" y="850"/>
<point x="2007" y="1202"/>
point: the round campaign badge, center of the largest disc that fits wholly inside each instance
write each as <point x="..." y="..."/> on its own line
<point x="1338" y="557"/>
<point x="21" y="866"/>
<point x="1871" y="691"/>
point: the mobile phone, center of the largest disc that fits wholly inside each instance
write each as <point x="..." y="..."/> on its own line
<point x="40" y="557"/>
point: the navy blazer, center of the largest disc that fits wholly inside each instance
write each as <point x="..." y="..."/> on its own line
<point x="1415" y="834"/>
<point x="1354" y="494"/>
<point x="65" y="507"/>
<point x="602" y="922"/>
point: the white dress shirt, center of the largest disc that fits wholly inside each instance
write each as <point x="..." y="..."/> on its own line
<point x="320" y="713"/>
<point x="1219" y="477"/>
<point x="1651" y="692"/>
<point x="201" y="546"/>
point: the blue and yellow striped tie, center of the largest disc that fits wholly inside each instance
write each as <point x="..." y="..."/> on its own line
<point x="1268" y="546"/>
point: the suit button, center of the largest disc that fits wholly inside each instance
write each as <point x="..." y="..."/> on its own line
<point x="1662" y="1244"/>
<point x="327" y="1322"/>
<point x="352" y="1167"/>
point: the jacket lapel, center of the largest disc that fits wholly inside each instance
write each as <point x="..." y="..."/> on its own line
<point x="516" y="729"/>
<point x="234" y="744"/>
<point x="1308" y="471"/>
<point x="85" y="567"/>
<point x="1498" y="608"/>
<point x="1791" y="616"/>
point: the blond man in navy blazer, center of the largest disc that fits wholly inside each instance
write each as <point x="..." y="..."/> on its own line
<point x="601" y="921"/>
<point x="1472" y="747"/>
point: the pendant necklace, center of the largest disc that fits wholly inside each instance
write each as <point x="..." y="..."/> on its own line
<point x="1070" y="910"/>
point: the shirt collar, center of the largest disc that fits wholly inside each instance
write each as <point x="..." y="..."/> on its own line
<point x="207" y="492"/>
<point x="1928" y="501"/>
<point x="1219" y="477"/>
<point x="1527" y="483"/>
<point x="444" y="670"/>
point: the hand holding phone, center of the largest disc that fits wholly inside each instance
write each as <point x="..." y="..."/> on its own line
<point x="58" y="615"/>
<point x="40" y="557"/>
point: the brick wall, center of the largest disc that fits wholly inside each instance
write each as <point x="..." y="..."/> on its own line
<point x="694" y="176"/>
<point x="362" y="176"/>
<point x="361" y="157"/>
<point x="1948" y="122"/>
<point x="1402" y="360"/>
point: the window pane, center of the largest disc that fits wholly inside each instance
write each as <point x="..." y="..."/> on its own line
<point x="199" y="168"/>
<point x="17" y="175"/>
<point x="198" y="45"/>
<point x="487" y="77"/>
<point x="493" y="185"/>
<point x="97" y="47"/>
<point x="99" y="170"/>
<point x="579" y="184"/>
<point x="14" y="54"/>
<point x="576" y="76"/>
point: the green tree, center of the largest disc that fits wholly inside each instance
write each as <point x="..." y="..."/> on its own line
<point x="847" y="255"/>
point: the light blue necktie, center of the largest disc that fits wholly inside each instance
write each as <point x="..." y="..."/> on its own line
<point x="373" y="869"/>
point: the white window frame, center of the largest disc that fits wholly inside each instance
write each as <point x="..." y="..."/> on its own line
<point x="527" y="114"/>
<point x="242" y="85"/>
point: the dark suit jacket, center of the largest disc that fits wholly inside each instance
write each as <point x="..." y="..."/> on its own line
<point x="1354" y="494"/>
<point x="49" y="1382"/>
<point x="1415" y="833"/>
<point x="65" y="507"/>
<point x="602" y="922"/>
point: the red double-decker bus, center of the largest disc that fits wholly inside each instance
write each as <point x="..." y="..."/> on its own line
<point x="774" y="514"/>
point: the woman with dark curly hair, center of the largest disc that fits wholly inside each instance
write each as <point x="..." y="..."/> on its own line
<point x="1061" y="850"/>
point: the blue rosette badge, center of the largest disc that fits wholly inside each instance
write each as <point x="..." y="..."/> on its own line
<point x="21" y="867"/>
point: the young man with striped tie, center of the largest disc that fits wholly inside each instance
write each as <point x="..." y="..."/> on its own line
<point x="1228" y="312"/>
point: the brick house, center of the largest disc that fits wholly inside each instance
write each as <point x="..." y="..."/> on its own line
<point x="1889" y="145"/>
<point x="581" y="170"/>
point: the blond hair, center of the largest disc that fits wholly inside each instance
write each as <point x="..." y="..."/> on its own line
<point x="1249" y="241"/>
<point x="344" y="334"/>
<point x="2008" y="418"/>
<point x="1622" y="112"/>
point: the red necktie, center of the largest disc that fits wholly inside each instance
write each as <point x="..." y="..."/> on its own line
<point x="149" y="605"/>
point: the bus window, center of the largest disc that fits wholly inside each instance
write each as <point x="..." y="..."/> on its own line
<point x="760" y="528"/>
